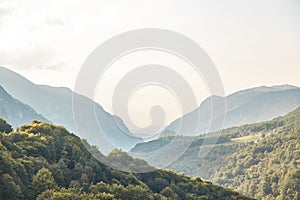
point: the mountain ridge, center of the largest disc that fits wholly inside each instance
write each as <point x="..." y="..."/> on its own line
<point x="260" y="160"/>
<point x="43" y="161"/>
<point x="244" y="107"/>
<point x="55" y="103"/>
<point x="16" y="112"/>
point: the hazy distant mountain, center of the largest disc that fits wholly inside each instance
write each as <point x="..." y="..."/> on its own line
<point x="16" y="112"/>
<point x="244" y="107"/>
<point x="55" y="103"/>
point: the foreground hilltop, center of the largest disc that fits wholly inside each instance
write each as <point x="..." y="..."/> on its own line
<point x="43" y="161"/>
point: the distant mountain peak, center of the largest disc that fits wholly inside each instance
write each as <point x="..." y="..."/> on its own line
<point x="264" y="88"/>
<point x="55" y="103"/>
<point x="285" y="87"/>
<point x="15" y="111"/>
<point x="246" y="106"/>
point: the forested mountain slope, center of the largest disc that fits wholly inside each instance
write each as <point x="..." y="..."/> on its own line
<point x="261" y="160"/>
<point x="43" y="161"/>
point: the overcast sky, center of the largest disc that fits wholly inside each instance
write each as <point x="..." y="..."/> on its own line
<point x="252" y="42"/>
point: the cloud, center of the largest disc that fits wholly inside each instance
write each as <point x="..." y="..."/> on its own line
<point x="53" y="21"/>
<point x="54" y="67"/>
<point x="28" y="38"/>
<point x="30" y="56"/>
<point x="6" y="10"/>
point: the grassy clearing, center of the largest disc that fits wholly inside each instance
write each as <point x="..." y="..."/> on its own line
<point x="252" y="137"/>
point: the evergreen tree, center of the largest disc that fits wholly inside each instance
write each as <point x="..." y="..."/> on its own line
<point x="42" y="181"/>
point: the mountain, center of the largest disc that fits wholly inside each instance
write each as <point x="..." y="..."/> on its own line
<point x="16" y="112"/>
<point x="261" y="160"/>
<point x="55" y="103"/>
<point x="243" y="107"/>
<point x="43" y="161"/>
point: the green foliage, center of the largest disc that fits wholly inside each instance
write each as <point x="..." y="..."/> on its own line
<point x="8" y="188"/>
<point x="152" y="145"/>
<point x="266" y="168"/>
<point x="122" y="160"/>
<point x="5" y="127"/>
<point x="43" y="161"/>
<point x="163" y="141"/>
<point x="71" y="194"/>
<point x="210" y="140"/>
<point x="168" y="192"/>
<point x="42" y="181"/>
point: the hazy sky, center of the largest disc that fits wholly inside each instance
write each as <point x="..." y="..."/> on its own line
<point x="252" y="42"/>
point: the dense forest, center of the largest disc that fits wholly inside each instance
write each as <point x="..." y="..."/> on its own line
<point x="43" y="161"/>
<point x="261" y="160"/>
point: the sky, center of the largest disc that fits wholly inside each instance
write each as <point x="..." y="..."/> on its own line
<point x="251" y="43"/>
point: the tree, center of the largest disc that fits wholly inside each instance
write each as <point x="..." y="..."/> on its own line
<point x="4" y="126"/>
<point x="137" y="192"/>
<point x="168" y="192"/>
<point x="42" y="181"/>
<point x="9" y="189"/>
<point x="76" y="174"/>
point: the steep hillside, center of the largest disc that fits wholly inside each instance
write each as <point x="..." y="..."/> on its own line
<point x="16" y="112"/>
<point x="43" y="161"/>
<point x="261" y="160"/>
<point x="244" y="107"/>
<point x="55" y="103"/>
